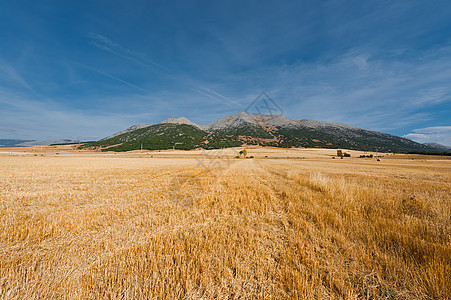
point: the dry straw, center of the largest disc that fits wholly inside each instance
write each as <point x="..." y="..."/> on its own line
<point x="83" y="227"/>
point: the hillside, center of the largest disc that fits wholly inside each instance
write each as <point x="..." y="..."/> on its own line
<point x="130" y="129"/>
<point x="153" y="137"/>
<point x="253" y="129"/>
<point x="439" y="147"/>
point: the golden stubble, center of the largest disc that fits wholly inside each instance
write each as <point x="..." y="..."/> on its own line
<point x="130" y="228"/>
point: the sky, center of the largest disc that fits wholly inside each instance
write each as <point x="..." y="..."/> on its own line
<point x="87" y="69"/>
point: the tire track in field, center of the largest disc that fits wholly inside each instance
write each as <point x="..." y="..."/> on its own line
<point x="311" y="228"/>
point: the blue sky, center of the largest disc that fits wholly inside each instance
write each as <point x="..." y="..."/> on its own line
<point x="86" y="69"/>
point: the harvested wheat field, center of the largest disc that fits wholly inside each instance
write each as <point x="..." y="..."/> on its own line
<point x="117" y="227"/>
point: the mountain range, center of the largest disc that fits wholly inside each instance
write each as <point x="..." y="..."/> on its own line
<point x="254" y="129"/>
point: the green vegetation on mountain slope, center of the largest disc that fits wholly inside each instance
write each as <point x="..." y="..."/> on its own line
<point x="183" y="136"/>
<point x="154" y="137"/>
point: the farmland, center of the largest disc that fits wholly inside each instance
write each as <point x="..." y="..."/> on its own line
<point x="288" y="223"/>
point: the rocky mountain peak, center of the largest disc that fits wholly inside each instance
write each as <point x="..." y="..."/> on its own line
<point x="181" y="120"/>
<point x="242" y="118"/>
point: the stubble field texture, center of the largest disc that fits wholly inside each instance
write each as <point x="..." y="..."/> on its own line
<point x="85" y="227"/>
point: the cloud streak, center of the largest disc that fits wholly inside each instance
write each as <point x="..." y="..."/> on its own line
<point x="9" y="74"/>
<point x="216" y="96"/>
<point x="111" y="76"/>
<point x="108" y="45"/>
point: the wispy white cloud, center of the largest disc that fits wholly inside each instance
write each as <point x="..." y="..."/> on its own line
<point x="358" y="87"/>
<point x="433" y="96"/>
<point x="216" y="96"/>
<point x="111" y="76"/>
<point x="9" y="74"/>
<point x="28" y="118"/>
<point x="106" y="44"/>
<point x="224" y="98"/>
<point x="436" y="134"/>
<point x="25" y="117"/>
